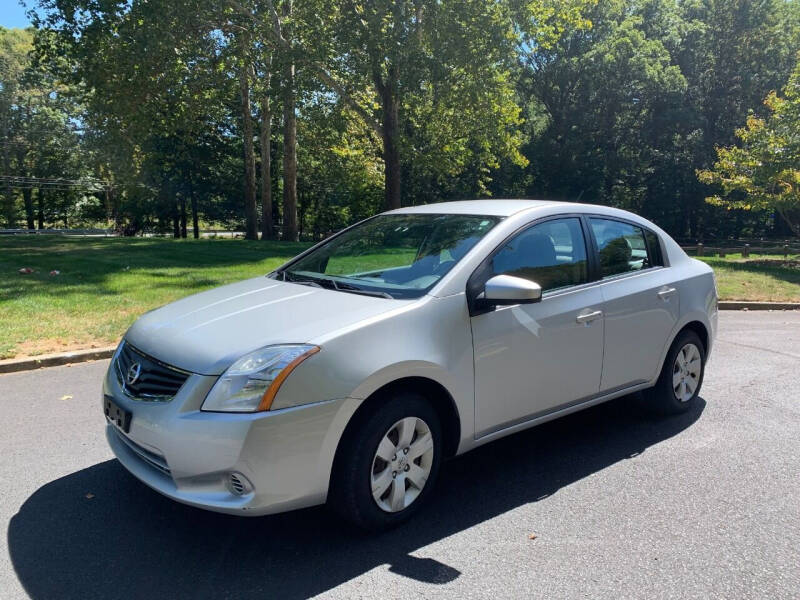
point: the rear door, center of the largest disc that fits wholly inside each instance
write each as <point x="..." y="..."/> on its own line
<point x="641" y="302"/>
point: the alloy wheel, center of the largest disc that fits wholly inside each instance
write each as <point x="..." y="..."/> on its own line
<point x="402" y="464"/>
<point x="686" y="372"/>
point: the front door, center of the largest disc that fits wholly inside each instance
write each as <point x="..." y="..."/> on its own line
<point x="533" y="358"/>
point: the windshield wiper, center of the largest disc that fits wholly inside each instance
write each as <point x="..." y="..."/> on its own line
<point x="332" y="284"/>
<point x="341" y="286"/>
<point x="308" y="282"/>
<point x="291" y="277"/>
<point x="346" y="287"/>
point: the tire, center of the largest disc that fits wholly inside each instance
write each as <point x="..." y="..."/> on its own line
<point x="670" y="399"/>
<point x="358" y="467"/>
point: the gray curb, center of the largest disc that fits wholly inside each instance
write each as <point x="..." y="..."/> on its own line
<point x="736" y="305"/>
<point x="51" y="360"/>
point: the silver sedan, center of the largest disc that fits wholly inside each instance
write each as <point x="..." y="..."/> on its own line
<point x="349" y="373"/>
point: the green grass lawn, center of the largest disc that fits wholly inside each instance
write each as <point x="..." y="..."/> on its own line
<point x="758" y="278"/>
<point x="106" y="283"/>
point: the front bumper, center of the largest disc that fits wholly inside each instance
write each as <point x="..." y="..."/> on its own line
<point x="188" y="455"/>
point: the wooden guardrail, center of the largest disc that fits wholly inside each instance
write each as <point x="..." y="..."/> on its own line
<point x="745" y="250"/>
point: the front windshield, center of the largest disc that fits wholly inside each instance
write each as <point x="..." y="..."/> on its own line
<point x="393" y="255"/>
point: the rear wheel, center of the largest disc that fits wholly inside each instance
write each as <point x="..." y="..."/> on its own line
<point x="681" y="376"/>
<point x="388" y="465"/>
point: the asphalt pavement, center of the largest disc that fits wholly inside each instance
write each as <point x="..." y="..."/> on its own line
<point x="608" y="503"/>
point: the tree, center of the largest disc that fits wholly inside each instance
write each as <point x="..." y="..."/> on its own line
<point x="15" y="46"/>
<point x="189" y="106"/>
<point x="265" y="142"/>
<point x="602" y="96"/>
<point x="39" y="136"/>
<point x="382" y="58"/>
<point x="342" y="177"/>
<point x="159" y="77"/>
<point x="732" y="53"/>
<point x="438" y="74"/>
<point x="764" y="171"/>
<point x="623" y="112"/>
<point x="246" y="75"/>
<point x="289" y="133"/>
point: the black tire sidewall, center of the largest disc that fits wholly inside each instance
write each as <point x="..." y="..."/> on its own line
<point x="352" y="494"/>
<point x="664" y="395"/>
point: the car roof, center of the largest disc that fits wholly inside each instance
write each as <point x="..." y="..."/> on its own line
<point x="495" y="207"/>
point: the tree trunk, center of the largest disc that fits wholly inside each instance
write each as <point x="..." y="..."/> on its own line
<point x="183" y="216"/>
<point x="266" y="165"/>
<point x="289" y="172"/>
<point x="8" y="200"/>
<point x="108" y="206"/>
<point x="176" y="224"/>
<point x="289" y="162"/>
<point x="172" y="203"/>
<point x="301" y="209"/>
<point x="8" y="207"/>
<point x="391" y="150"/>
<point x="27" y="195"/>
<point x="289" y="147"/>
<point x="791" y="218"/>
<point x="251" y="226"/>
<point x="40" y="211"/>
<point x="195" y="217"/>
<point x="115" y="202"/>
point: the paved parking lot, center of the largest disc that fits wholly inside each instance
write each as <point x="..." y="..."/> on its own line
<point x="622" y="505"/>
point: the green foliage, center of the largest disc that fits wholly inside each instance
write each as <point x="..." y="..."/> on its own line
<point x="448" y="66"/>
<point x="624" y="112"/>
<point x="612" y="101"/>
<point x="763" y="172"/>
<point x="343" y="184"/>
<point x="39" y="137"/>
<point x="604" y="91"/>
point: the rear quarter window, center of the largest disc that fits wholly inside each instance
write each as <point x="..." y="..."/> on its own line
<point x="654" y="248"/>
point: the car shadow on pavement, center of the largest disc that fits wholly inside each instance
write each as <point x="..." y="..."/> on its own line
<point x="99" y="533"/>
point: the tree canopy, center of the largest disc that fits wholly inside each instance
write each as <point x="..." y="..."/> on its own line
<point x="764" y="171"/>
<point x="297" y="118"/>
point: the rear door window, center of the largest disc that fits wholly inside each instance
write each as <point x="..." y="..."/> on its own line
<point x="622" y="247"/>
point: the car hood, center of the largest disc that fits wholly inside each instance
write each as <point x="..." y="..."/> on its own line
<point x="205" y="333"/>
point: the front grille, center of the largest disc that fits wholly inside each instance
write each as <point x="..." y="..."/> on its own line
<point x="151" y="380"/>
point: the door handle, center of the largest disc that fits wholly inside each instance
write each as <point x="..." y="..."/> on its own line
<point x="667" y="293"/>
<point x="589" y="317"/>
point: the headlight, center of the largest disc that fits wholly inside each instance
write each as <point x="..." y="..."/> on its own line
<point x="250" y="384"/>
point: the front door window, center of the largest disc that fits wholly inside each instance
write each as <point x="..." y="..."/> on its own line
<point x="553" y="254"/>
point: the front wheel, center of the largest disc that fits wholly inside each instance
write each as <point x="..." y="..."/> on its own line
<point x="388" y="465"/>
<point x="681" y="376"/>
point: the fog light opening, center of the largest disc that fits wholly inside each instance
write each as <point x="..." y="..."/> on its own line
<point x="238" y="484"/>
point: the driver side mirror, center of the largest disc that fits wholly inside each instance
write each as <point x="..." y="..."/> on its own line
<point x="506" y="289"/>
